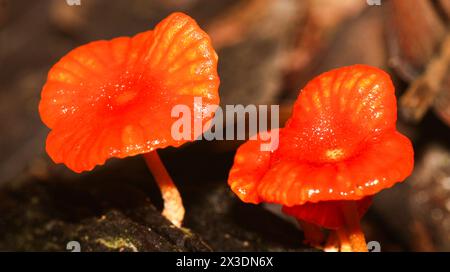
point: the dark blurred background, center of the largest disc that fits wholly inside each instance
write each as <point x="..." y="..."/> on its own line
<point x="267" y="51"/>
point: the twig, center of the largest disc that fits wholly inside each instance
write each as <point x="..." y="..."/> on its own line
<point x="422" y="92"/>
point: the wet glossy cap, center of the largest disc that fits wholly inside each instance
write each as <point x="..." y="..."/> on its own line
<point x="114" y="98"/>
<point x="340" y="143"/>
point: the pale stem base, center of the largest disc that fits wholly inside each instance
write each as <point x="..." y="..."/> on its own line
<point x="173" y="204"/>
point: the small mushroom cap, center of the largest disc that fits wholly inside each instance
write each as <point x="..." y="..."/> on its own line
<point x="340" y="143"/>
<point x="114" y="98"/>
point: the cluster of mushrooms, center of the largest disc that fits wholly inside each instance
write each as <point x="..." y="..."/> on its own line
<point x="340" y="147"/>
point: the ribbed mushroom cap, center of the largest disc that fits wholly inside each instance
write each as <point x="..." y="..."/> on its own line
<point x="340" y="143"/>
<point x="114" y="98"/>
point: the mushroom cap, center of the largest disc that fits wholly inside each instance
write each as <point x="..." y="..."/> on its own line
<point x="114" y="98"/>
<point x="340" y="143"/>
<point x="327" y="214"/>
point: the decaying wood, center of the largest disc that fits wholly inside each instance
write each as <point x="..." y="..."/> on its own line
<point x="423" y="91"/>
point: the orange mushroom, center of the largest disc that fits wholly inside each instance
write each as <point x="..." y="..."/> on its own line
<point x="338" y="149"/>
<point x="114" y="98"/>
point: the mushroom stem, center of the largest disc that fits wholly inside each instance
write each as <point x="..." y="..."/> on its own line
<point x="352" y="227"/>
<point x="313" y="234"/>
<point x="344" y="241"/>
<point x="332" y="244"/>
<point x="173" y="204"/>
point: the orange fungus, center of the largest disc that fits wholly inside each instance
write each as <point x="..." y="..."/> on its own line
<point x="339" y="145"/>
<point x="114" y="98"/>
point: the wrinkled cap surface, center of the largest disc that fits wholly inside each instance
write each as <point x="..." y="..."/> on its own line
<point x="340" y="143"/>
<point x="114" y="98"/>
